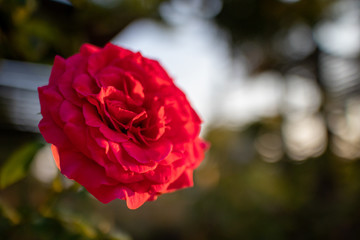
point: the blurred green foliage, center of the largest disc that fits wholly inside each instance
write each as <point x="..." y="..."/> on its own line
<point x="36" y="30"/>
<point x="17" y="166"/>
<point x="313" y="199"/>
<point x="37" y="216"/>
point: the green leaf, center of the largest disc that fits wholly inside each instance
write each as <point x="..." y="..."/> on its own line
<point x="9" y="212"/>
<point x="17" y="165"/>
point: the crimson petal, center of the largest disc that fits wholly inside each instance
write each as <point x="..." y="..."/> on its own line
<point x="145" y="154"/>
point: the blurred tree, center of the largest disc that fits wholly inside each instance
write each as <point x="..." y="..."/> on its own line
<point x="254" y="199"/>
<point x="264" y="26"/>
<point x="36" y="30"/>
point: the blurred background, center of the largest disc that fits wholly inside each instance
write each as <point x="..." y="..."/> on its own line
<point x="277" y="83"/>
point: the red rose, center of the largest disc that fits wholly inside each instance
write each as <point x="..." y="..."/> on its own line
<point x="119" y="126"/>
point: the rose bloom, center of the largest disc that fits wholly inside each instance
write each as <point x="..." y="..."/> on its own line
<point x="119" y="126"/>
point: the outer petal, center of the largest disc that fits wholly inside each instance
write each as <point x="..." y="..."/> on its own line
<point x="66" y="89"/>
<point x="166" y="174"/>
<point x="185" y="180"/>
<point x="127" y="162"/>
<point x="85" y="86"/>
<point x="196" y="152"/>
<point x="52" y="133"/>
<point x="156" y="72"/>
<point x="135" y="199"/>
<point x="107" y="193"/>
<point x="146" y="154"/>
<point x="77" y="166"/>
<point x="51" y="125"/>
<point x="56" y="156"/>
<point x="117" y="172"/>
<point x="50" y="102"/>
<point x="88" y="49"/>
<point x="57" y="70"/>
<point x="104" y="57"/>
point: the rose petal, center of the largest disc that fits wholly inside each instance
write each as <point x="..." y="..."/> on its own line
<point x="128" y="162"/>
<point x="99" y="139"/>
<point x="91" y="115"/>
<point x="66" y="89"/>
<point x="123" y="81"/>
<point x="172" y="157"/>
<point x="184" y="181"/>
<point x="57" y="70"/>
<point x="157" y="127"/>
<point x="88" y="49"/>
<point x="50" y="101"/>
<point x="52" y="133"/>
<point x="106" y="194"/>
<point x="118" y="112"/>
<point x="117" y="172"/>
<point x="56" y="156"/>
<point x="78" y="137"/>
<point x="195" y="152"/>
<point x="85" y="85"/>
<point x="101" y="59"/>
<point x="159" y="188"/>
<point x="158" y="74"/>
<point x="145" y="154"/>
<point x="77" y="166"/>
<point x="70" y="113"/>
<point x="166" y="174"/>
<point x="112" y="135"/>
